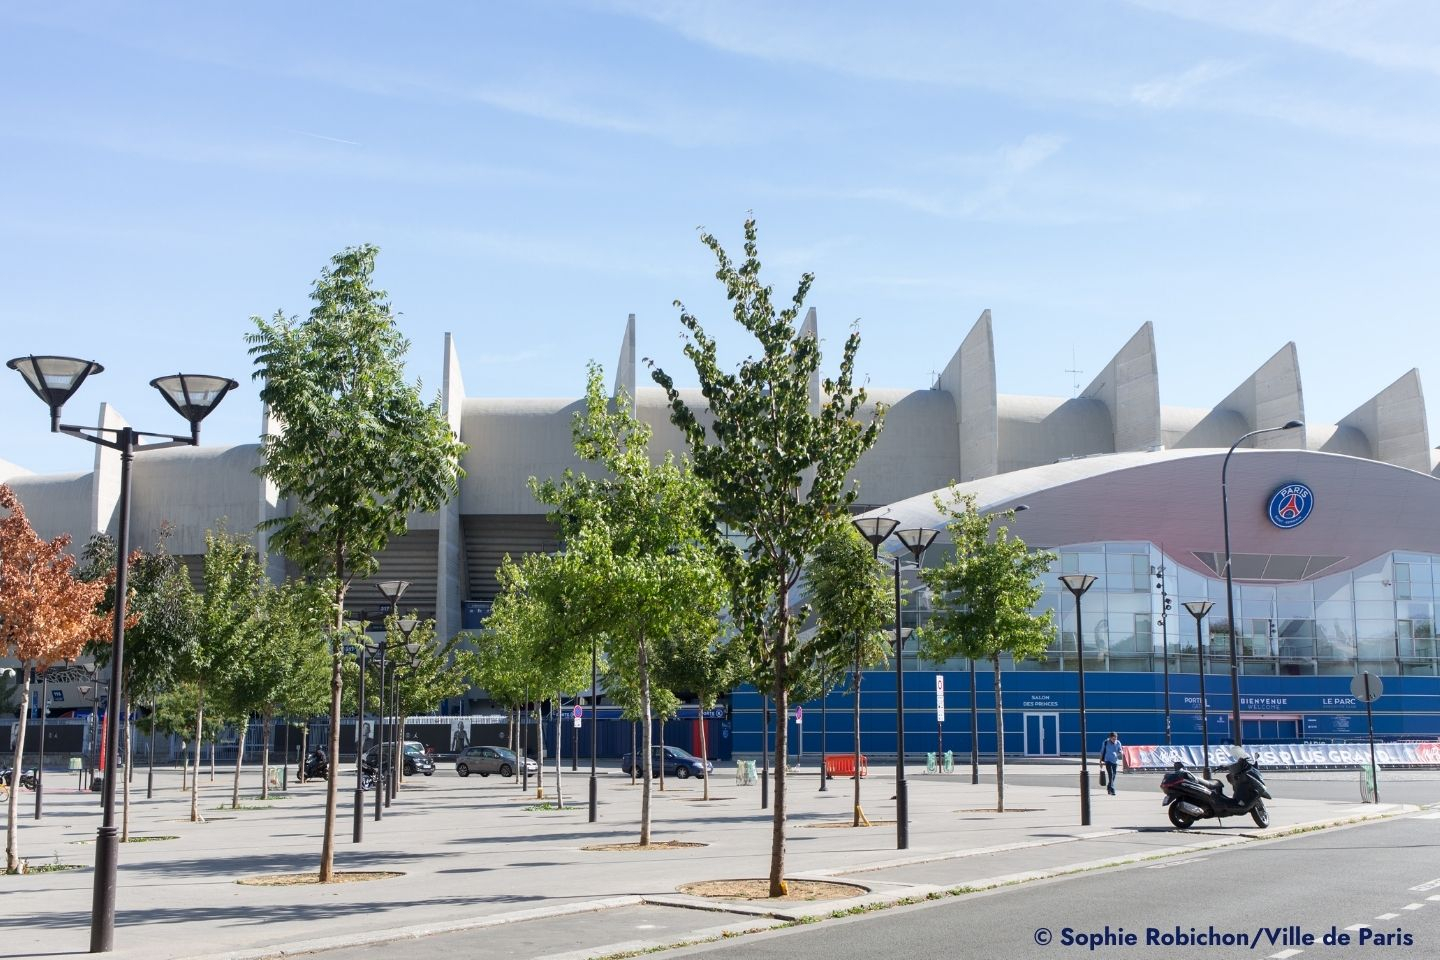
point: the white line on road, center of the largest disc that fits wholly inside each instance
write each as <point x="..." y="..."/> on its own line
<point x="1412" y="906"/>
<point x="1428" y="816"/>
<point x="1283" y="954"/>
<point x="1387" y="916"/>
<point x="1436" y="897"/>
<point x="1358" y="926"/>
<point x="1427" y="885"/>
<point x="1175" y="863"/>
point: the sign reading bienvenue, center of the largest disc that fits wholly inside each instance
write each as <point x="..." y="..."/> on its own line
<point x="1288" y="755"/>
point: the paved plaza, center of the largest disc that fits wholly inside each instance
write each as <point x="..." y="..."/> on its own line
<point x="476" y="863"/>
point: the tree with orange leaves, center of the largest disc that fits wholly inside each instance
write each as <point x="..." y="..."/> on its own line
<point x="46" y="615"/>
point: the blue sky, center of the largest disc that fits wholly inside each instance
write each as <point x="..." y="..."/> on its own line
<point x="1241" y="173"/>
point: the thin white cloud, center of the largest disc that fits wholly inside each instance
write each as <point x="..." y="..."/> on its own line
<point x="1178" y="89"/>
<point x="1394" y="34"/>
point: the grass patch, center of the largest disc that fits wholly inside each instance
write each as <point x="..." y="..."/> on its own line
<point x="797" y="891"/>
<point x="306" y="879"/>
<point x="548" y="808"/>
<point x="243" y="806"/>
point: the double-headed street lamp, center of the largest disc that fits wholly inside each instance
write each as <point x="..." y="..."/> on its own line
<point x="1235" y="732"/>
<point x="406" y="626"/>
<point x="55" y="380"/>
<point x="1077" y="584"/>
<point x="594" y="728"/>
<point x="1166" y="601"/>
<point x="44" y="709"/>
<point x="876" y="530"/>
<point x="1198" y="609"/>
<point x="357" y="629"/>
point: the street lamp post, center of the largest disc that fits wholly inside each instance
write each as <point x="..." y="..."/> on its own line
<point x="1077" y="584"/>
<point x="1198" y="609"/>
<point x="594" y="729"/>
<point x="1235" y="732"/>
<point x="54" y="380"/>
<point x="392" y="591"/>
<point x="1164" y="623"/>
<point x="407" y="627"/>
<point x="876" y="530"/>
<point x="357" y="627"/>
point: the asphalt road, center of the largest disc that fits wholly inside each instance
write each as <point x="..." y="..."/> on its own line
<point x="1396" y="786"/>
<point x="1361" y="882"/>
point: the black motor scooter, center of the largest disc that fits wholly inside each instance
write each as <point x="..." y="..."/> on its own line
<point x="1189" y="798"/>
<point x="317" y="766"/>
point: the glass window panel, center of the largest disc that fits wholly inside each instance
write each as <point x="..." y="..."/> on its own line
<point x="1294" y="610"/>
<point x="1333" y="588"/>
<point x="1422" y="558"/>
<point x="1402" y="572"/>
<point x="1375" y="629"/>
<point x="1413" y="611"/>
<point x="1334" y="610"/>
<point x="1191" y="584"/>
<point x="1374" y="610"/>
<point x="1296" y="628"/>
<point x="1129" y="547"/>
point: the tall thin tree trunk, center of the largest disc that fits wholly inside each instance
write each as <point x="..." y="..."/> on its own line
<point x="12" y="822"/>
<point x="704" y="750"/>
<point x="510" y="728"/>
<point x="239" y="759"/>
<point x="645" y="717"/>
<point x="634" y="751"/>
<point x="778" y="887"/>
<point x="304" y="747"/>
<point x="540" y="758"/>
<point x="999" y="740"/>
<point x="213" y="738"/>
<point x="559" y="743"/>
<point x="195" y="780"/>
<point x="327" y="845"/>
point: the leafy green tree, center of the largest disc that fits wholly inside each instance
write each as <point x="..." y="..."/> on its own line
<point x="213" y="656"/>
<point x="983" y="597"/>
<point x="162" y="605"/>
<point x="850" y="597"/>
<point x="706" y="664"/>
<point x="639" y="564"/>
<point x="776" y="462"/>
<point x="358" y="452"/>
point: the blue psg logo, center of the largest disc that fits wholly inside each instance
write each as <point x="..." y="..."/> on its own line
<point x="1290" y="505"/>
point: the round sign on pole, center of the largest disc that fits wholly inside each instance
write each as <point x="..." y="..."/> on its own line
<point x="1358" y="688"/>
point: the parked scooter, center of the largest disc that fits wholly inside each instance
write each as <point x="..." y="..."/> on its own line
<point x="1189" y="798"/>
<point x="28" y="778"/>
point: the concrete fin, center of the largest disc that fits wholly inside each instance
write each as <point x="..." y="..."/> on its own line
<point x="969" y="378"/>
<point x="1271" y="396"/>
<point x="811" y="328"/>
<point x="625" y="366"/>
<point x="105" y="489"/>
<point x="1129" y="387"/>
<point x="450" y="543"/>
<point x="1393" y="423"/>
<point x="269" y="494"/>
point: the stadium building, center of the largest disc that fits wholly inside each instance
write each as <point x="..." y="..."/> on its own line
<point x="1334" y="535"/>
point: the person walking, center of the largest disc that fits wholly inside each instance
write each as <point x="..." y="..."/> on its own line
<point x="1110" y="756"/>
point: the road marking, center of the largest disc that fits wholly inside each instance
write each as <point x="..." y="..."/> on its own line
<point x="1428" y="816"/>
<point x="647" y="926"/>
<point x="1175" y="863"/>
<point x="1436" y="897"/>
<point x="1358" y="926"/>
<point x="1412" y="906"/>
<point x="1387" y="916"/>
<point x="1283" y="954"/>
<point x="1427" y="885"/>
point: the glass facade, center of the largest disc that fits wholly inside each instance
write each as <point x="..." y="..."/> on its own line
<point x="1378" y="616"/>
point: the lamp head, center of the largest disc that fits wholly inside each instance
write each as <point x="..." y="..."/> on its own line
<point x="875" y="530"/>
<point x="917" y="540"/>
<point x="1078" y="583"/>
<point x="392" y="590"/>
<point x="1293" y="425"/>
<point x="193" y="396"/>
<point x="1198" y="608"/>
<point x="54" y="379"/>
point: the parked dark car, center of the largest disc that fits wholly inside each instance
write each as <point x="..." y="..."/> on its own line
<point x="416" y="760"/>
<point x="488" y="760"/>
<point x="678" y="763"/>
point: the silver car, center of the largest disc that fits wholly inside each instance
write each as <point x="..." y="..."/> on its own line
<point x="488" y="760"/>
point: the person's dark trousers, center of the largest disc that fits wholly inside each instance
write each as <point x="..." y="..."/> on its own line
<point x="1110" y="766"/>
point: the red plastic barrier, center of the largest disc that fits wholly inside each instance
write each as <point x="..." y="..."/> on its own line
<point x="843" y="765"/>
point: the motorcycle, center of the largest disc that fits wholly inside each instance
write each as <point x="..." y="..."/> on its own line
<point x="317" y="767"/>
<point x="1189" y="798"/>
<point x="28" y="778"/>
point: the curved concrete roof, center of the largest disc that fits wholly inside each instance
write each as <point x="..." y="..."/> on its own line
<point x="1363" y="508"/>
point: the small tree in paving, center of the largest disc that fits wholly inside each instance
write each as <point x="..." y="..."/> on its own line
<point x="983" y="596"/>
<point x="162" y="606"/>
<point x="707" y="665"/>
<point x="850" y="596"/>
<point x="46" y="614"/>
<point x="776" y="464"/>
<point x="639" y="565"/>
<point x="358" y="451"/>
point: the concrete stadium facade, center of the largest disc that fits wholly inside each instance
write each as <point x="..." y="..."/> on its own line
<point x="1112" y="479"/>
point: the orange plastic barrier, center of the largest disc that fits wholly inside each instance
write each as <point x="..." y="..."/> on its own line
<point x="843" y="765"/>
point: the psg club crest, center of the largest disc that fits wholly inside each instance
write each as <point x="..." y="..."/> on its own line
<point x="1290" y="505"/>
